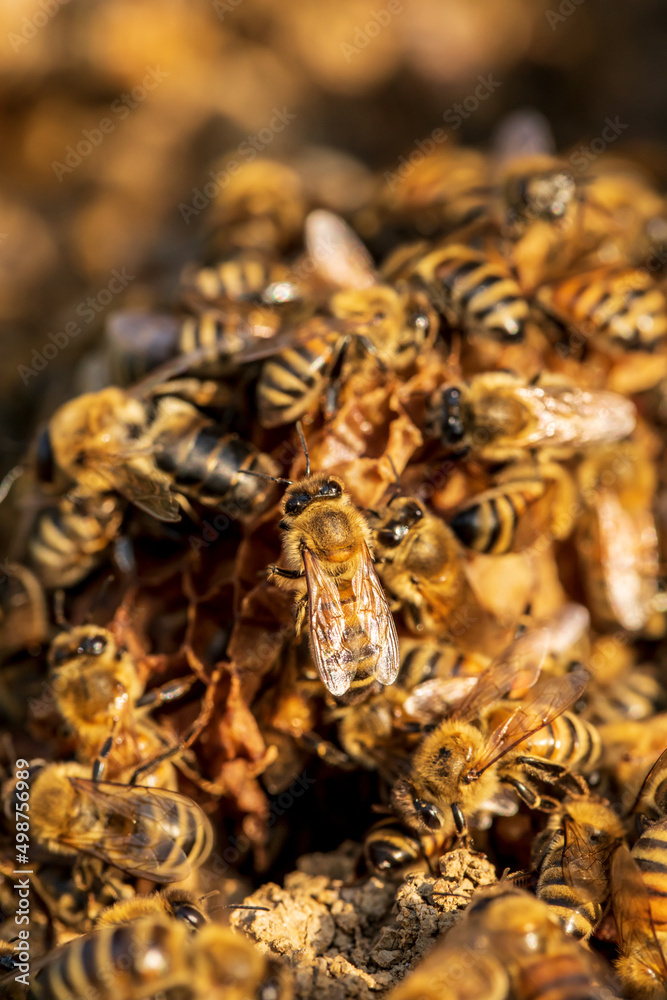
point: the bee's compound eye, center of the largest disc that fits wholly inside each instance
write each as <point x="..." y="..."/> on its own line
<point x="428" y="814"/>
<point x="296" y="503"/>
<point x="330" y="489"/>
<point x="93" y="645"/>
<point x="190" y="915"/>
<point x="412" y="512"/>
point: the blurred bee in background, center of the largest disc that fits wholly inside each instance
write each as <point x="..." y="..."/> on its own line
<point x="163" y="956"/>
<point x="327" y="547"/>
<point x="459" y="767"/>
<point x="616" y="535"/>
<point x="152" y="833"/>
<point x="616" y="309"/>
<point x="573" y="856"/>
<point x="70" y="540"/>
<point x="23" y="612"/>
<point x="366" y="318"/>
<point x="619" y="688"/>
<point x="499" y="416"/>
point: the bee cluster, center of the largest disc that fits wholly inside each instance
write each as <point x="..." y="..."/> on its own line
<point x="369" y="523"/>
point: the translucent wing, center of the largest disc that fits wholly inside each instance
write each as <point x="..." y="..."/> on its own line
<point x="340" y="258"/>
<point x="567" y="626"/>
<point x="632" y="911"/>
<point x="586" y="866"/>
<point x="540" y="707"/>
<point x="376" y="619"/>
<point x="149" y="832"/>
<point x="434" y="698"/>
<point x="517" y="667"/>
<point x="660" y="762"/>
<point x="337" y="633"/>
<point x="571" y="416"/>
<point x="148" y="491"/>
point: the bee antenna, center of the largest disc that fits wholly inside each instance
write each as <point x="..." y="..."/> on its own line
<point x="59" y="608"/>
<point x="393" y="469"/>
<point x="263" y="475"/>
<point x="9" y="480"/>
<point x="238" y="906"/>
<point x="304" y="446"/>
<point x="207" y="895"/>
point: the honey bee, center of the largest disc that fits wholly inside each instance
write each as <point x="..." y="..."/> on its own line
<point x="109" y="440"/>
<point x="99" y="693"/>
<point x="214" y="341"/>
<point x="391" y="847"/>
<point x="392" y="325"/>
<point x="574" y="862"/>
<point x="616" y="535"/>
<point x="441" y="193"/>
<point x="148" y="832"/>
<point x="171" y="903"/>
<point x="507" y="944"/>
<point x="460" y="767"/>
<point x="157" y="956"/>
<point x="537" y="187"/>
<point x="638" y="894"/>
<point x="475" y="290"/>
<point x="618" y="309"/>
<point x="249" y="278"/>
<point x="262" y="208"/>
<point x="69" y="540"/>
<point x="499" y="416"/>
<point x="327" y="547"/>
<point x="512" y="515"/>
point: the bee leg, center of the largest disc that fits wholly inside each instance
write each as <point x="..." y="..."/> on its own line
<point x="300" y="615"/>
<point x="332" y="391"/>
<point x="100" y="761"/>
<point x="523" y="790"/>
<point x="288" y="574"/>
<point x="167" y="692"/>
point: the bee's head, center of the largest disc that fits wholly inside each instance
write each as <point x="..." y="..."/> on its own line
<point x="82" y="643"/>
<point x="183" y="906"/>
<point x="417" y="812"/>
<point x="451" y="417"/>
<point x="402" y="514"/>
<point x="300" y="495"/>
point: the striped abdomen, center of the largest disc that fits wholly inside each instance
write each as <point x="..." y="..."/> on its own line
<point x="578" y="916"/>
<point x="625" y="307"/>
<point x="292" y="381"/>
<point x="650" y="854"/>
<point x="125" y="961"/>
<point x="239" y="279"/>
<point x="567" y="740"/>
<point x="208" y="465"/>
<point x="475" y="293"/>
<point x="564" y="976"/>
<point x="68" y="541"/>
<point x="224" y="337"/>
<point x="488" y="523"/>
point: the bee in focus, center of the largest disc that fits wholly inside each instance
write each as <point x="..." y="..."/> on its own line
<point x="617" y="309"/>
<point x="68" y="541"/>
<point x="366" y="318"/>
<point x="170" y="903"/>
<point x="162" y="956"/>
<point x="327" y="548"/>
<point x="573" y="861"/>
<point x="460" y="766"/>
<point x="506" y="945"/>
<point x="114" y="440"/>
<point x="392" y="848"/>
<point x="498" y="416"/>
<point x="151" y="833"/>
